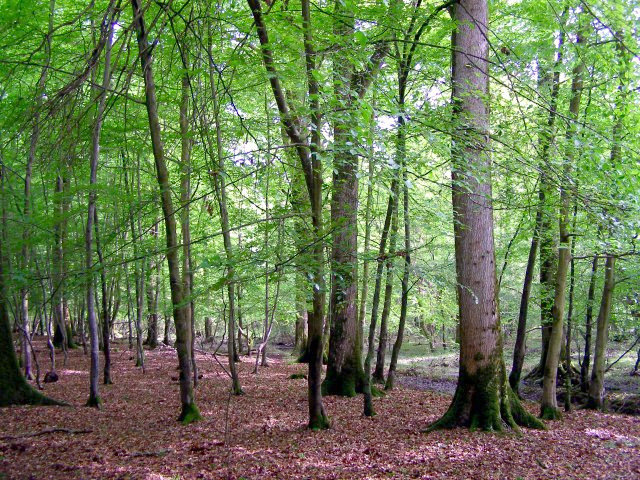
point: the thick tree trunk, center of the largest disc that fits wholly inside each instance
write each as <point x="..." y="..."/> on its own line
<point x="483" y="397"/>
<point x="596" y="386"/>
<point x="344" y="367"/>
<point x="189" y="412"/>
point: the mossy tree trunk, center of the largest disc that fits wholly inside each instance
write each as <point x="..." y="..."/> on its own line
<point x="483" y="398"/>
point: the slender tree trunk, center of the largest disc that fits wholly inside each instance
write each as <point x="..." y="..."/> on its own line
<point x="520" y="345"/>
<point x="586" y="360"/>
<point x="219" y="181"/>
<point x="58" y="253"/>
<point x="367" y="232"/>
<point x="312" y="167"/>
<point x="106" y="343"/>
<point x="185" y="201"/>
<point x="407" y="264"/>
<point x="94" y="397"/>
<point x="596" y="386"/>
<point x="368" y="394"/>
<point x="567" y="360"/>
<point x="483" y="397"/>
<point x="138" y="270"/>
<point x="546" y="239"/>
<point x="549" y="403"/>
<point x="378" y="373"/>
<point x="189" y="412"/>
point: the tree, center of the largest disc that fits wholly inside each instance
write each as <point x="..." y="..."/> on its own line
<point x="483" y="398"/>
<point x="14" y="389"/>
<point x="189" y="411"/>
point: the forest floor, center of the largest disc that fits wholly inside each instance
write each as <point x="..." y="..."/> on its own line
<point x="263" y="435"/>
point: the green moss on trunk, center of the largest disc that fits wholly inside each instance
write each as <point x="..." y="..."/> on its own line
<point x="547" y="412"/>
<point x="95" y="402"/>
<point x="189" y="414"/>
<point x="320" y="423"/>
<point x="485" y="401"/>
<point x="346" y="383"/>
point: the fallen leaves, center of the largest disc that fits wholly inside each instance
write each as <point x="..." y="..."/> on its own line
<point x="264" y="434"/>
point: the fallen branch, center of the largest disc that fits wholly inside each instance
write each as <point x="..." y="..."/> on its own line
<point x="159" y="453"/>
<point x="45" y="432"/>
<point x="621" y="356"/>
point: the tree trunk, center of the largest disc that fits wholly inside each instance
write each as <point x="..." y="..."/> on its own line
<point x="104" y="315"/>
<point x="549" y="403"/>
<point x="94" y="397"/>
<point x="520" y="345"/>
<point x="312" y="167"/>
<point x="407" y="264"/>
<point x="189" y="412"/>
<point x="378" y="373"/>
<point x="14" y="389"/>
<point x="483" y="397"/>
<point x="152" y="289"/>
<point x="586" y="360"/>
<point x="368" y="403"/>
<point x="185" y="199"/>
<point x="219" y="181"/>
<point x="344" y="369"/>
<point x="596" y="386"/>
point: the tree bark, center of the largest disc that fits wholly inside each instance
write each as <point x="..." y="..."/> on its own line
<point x="520" y="345"/>
<point x="378" y="374"/>
<point x="312" y="167"/>
<point x="483" y="397"/>
<point x="368" y="402"/>
<point x="596" y="386"/>
<point x="586" y="360"/>
<point x="14" y="389"/>
<point x="549" y="403"/>
<point x="407" y="267"/>
<point x="106" y="29"/>
<point x="219" y="181"/>
<point x="189" y="411"/>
